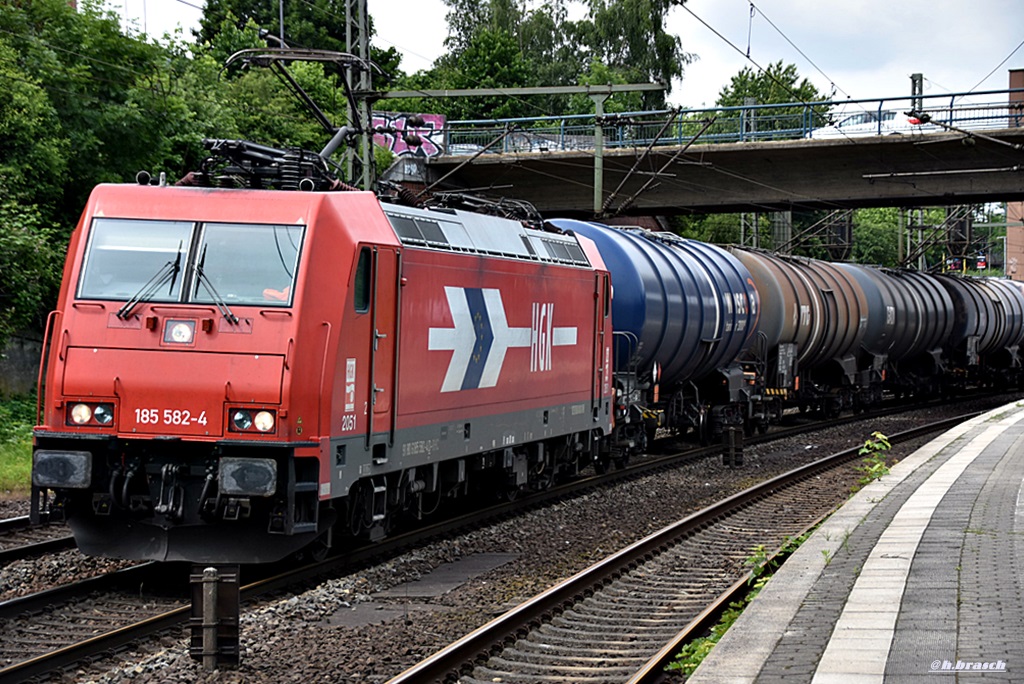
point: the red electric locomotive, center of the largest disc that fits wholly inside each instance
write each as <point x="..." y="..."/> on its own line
<point x="234" y="374"/>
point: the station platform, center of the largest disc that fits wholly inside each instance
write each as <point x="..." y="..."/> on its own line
<point x="919" y="577"/>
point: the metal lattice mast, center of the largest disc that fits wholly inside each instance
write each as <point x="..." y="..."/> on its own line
<point x="357" y="37"/>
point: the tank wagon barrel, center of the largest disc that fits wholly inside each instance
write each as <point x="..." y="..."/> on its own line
<point x="684" y="312"/>
<point x="691" y="306"/>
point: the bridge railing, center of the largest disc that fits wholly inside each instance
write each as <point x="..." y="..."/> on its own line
<point x="991" y="110"/>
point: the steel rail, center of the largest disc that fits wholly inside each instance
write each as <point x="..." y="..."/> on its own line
<point x="72" y="654"/>
<point x="651" y="671"/>
<point x="450" y="662"/>
<point x="39" y="548"/>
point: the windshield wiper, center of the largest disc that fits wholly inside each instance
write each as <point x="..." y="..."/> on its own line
<point x="222" y="305"/>
<point x="167" y="272"/>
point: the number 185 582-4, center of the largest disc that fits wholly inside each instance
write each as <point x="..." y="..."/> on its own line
<point x="153" y="416"/>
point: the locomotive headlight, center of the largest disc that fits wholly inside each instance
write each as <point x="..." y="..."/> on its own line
<point x="252" y="420"/>
<point x="264" y="421"/>
<point x="103" y="414"/>
<point x="179" y="332"/>
<point x="241" y="420"/>
<point x="81" y="414"/>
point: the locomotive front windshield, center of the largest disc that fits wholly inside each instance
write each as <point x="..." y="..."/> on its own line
<point x="202" y="263"/>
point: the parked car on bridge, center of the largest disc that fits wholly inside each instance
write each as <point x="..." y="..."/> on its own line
<point x="864" y="123"/>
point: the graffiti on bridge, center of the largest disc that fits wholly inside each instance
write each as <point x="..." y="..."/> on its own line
<point x="396" y="126"/>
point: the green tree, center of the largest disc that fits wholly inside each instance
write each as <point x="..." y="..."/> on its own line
<point x="313" y="24"/>
<point x="491" y="59"/>
<point x="876" y="236"/>
<point x="110" y="93"/>
<point x="34" y="145"/>
<point x="29" y="267"/>
<point x="620" y="41"/>
<point x="630" y="37"/>
<point x="778" y="84"/>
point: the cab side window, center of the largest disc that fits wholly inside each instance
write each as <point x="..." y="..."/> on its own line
<point x="361" y="287"/>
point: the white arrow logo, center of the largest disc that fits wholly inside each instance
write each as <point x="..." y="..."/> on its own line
<point x="481" y="338"/>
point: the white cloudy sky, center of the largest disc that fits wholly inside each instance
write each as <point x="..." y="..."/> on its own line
<point x="866" y="48"/>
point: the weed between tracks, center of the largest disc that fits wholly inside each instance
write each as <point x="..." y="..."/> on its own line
<point x="874" y="464"/>
<point x="762" y="566"/>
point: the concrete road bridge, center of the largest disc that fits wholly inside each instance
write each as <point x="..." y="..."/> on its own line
<point x="952" y="149"/>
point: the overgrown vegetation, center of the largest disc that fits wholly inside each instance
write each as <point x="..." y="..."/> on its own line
<point x="762" y="566"/>
<point x="873" y="465"/>
<point x="693" y="653"/>
<point x="17" y="416"/>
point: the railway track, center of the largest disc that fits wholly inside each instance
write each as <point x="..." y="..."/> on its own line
<point x="623" y="618"/>
<point x="159" y="614"/>
<point x="19" y="539"/>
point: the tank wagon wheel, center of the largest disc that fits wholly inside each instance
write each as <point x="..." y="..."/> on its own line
<point x="703" y="427"/>
<point x="828" y="409"/>
<point x="651" y="432"/>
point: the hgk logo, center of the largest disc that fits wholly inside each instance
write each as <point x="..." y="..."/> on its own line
<point x="481" y="338"/>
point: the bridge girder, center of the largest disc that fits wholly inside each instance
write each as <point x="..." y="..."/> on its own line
<point x="932" y="169"/>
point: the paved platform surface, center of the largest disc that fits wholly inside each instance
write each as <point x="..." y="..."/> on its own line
<point x="918" y="578"/>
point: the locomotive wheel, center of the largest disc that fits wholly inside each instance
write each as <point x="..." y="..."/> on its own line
<point x="510" y="493"/>
<point x="318" y="548"/>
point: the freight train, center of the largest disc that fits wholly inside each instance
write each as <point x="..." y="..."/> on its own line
<point x="236" y="374"/>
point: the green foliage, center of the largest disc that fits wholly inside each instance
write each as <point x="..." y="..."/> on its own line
<point x="630" y="37"/>
<point x="29" y="267"/>
<point x="762" y="567"/>
<point x="778" y="84"/>
<point x="315" y="24"/>
<point x="102" y="108"/>
<point x="873" y="465"/>
<point x="34" y="147"/>
<point x="721" y="229"/>
<point x="17" y="416"/>
<point x="876" y="236"/>
<point x="693" y="653"/>
<point x="620" y="41"/>
<point x="490" y="59"/>
<point x="599" y="73"/>
<point x="759" y="562"/>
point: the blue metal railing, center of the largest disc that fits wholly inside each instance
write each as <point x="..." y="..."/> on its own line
<point x="988" y="110"/>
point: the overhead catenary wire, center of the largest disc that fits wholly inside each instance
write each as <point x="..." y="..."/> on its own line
<point x="613" y="164"/>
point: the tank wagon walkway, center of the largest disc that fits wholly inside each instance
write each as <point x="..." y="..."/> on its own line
<point x="919" y="576"/>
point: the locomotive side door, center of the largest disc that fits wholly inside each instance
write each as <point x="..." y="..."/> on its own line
<point x="602" y="322"/>
<point x="385" y="300"/>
